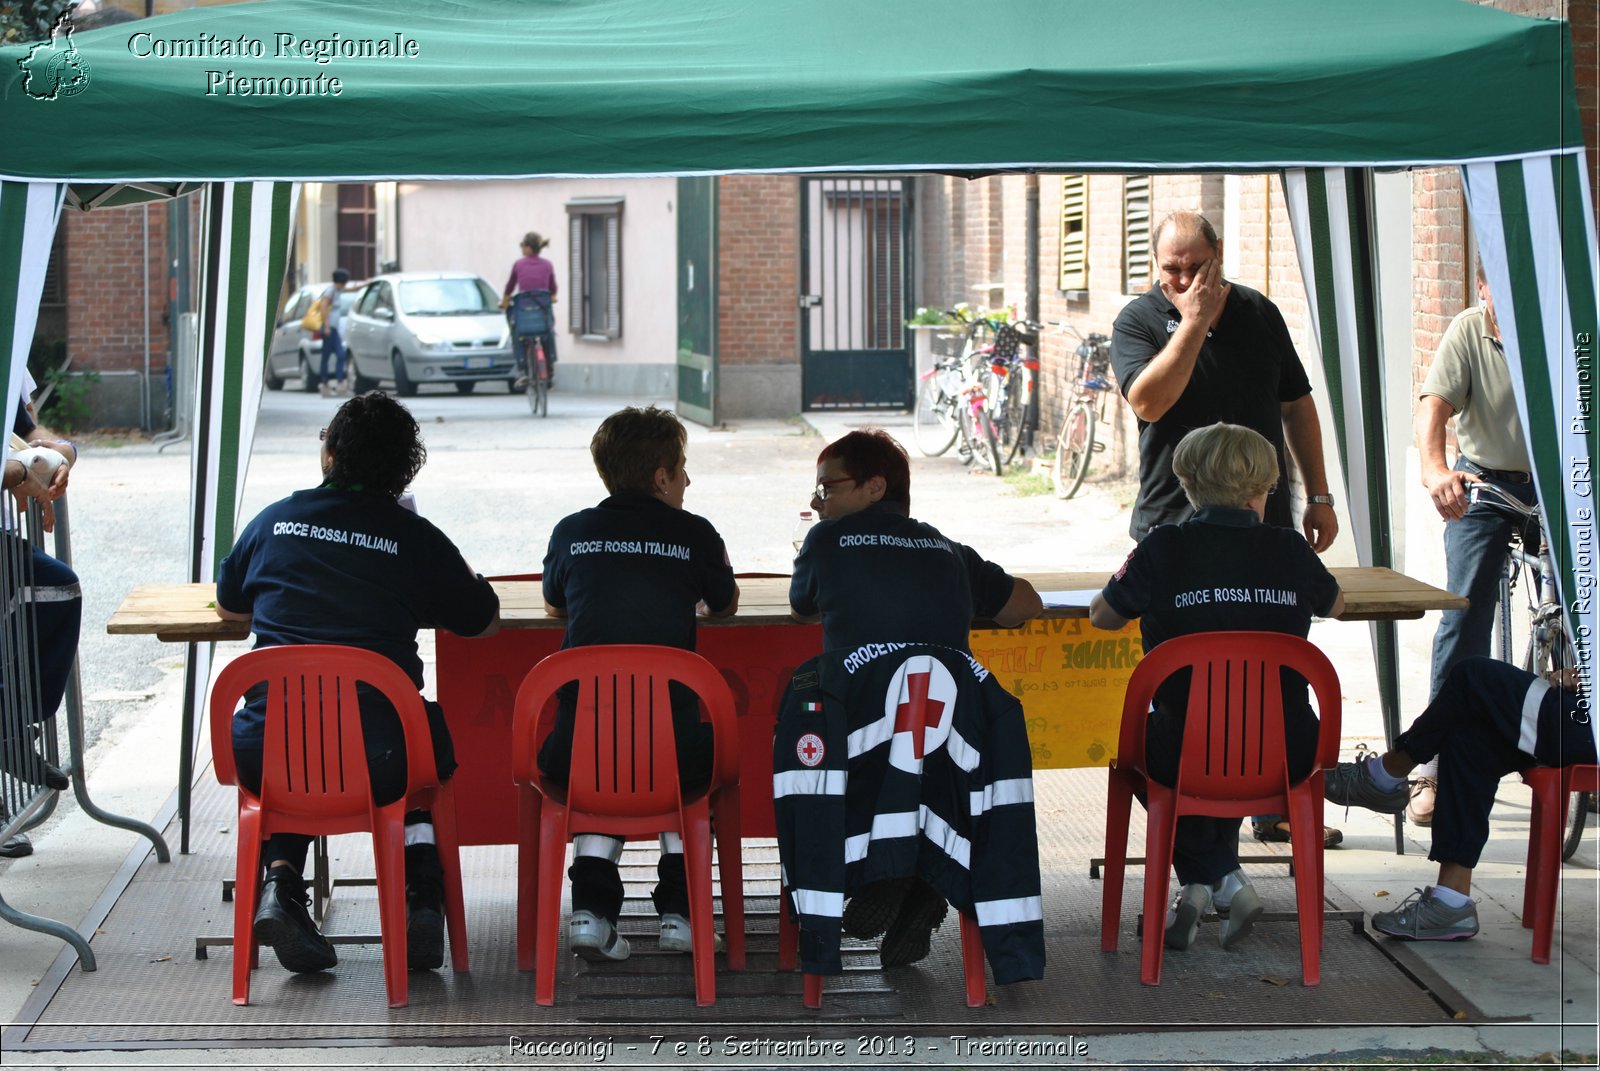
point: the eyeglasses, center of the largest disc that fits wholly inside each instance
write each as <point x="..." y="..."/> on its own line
<point x="821" y="490"/>
<point x="322" y="436"/>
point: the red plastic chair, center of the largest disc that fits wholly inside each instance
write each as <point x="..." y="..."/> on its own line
<point x="971" y="957"/>
<point x="314" y="781"/>
<point x="1552" y="787"/>
<point x="1233" y="766"/>
<point x="624" y="782"/>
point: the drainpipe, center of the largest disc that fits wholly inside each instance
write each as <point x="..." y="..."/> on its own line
<point x="144" y="247"/>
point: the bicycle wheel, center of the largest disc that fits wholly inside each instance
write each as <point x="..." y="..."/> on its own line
<point x="538" y="382"/>
<point x="1073" y="449"/>
<point x="1013" y="414"/>
<point x="933" y="424"/>
<point x="985" y="442"/>
<point x="1578" y="815"/>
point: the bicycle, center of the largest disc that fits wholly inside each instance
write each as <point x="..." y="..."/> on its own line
<point x="952" y="404"/>
<point x="1092" y="382"/>
<point x="531" y="320"/>
<point x="1548" y="647"/>
<point x="1012" y="395"/>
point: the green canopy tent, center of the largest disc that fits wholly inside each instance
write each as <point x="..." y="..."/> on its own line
<point x="250" y="100"/>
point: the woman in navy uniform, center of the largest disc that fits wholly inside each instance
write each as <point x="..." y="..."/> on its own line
<point x="871" y="573"/>
<point x="1273" y="581"/>
<point x="345" y="563"/>
<point x="634" y="569"/>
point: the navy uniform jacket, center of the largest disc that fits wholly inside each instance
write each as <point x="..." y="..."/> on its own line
<point x="877" y="574"/>
<point x="348" y="567"/>
<point x="631" y="570"/>
<point x="891" y="760"/>
<point x="1246" y="370"/>
<point x="1221" y="571"/>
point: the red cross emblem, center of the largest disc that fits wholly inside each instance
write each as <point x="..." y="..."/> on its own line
<point x="918" y="713"/>
<point x="810" y="750"/>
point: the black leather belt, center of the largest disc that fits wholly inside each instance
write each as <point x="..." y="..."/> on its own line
<point x="1502" y="475"/>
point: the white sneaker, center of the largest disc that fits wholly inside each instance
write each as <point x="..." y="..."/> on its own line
<point x="596" y="939"/>
<point x="675" y="936"/>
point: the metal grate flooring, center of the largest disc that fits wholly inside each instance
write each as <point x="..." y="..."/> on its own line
<point x="152" y="992"/>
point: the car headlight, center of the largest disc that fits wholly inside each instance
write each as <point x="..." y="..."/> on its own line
<point x="428" y="343"/>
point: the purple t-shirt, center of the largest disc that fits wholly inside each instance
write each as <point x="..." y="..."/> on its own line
<point x="531" y="273"/>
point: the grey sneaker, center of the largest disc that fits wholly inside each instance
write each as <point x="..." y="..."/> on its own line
<point x="1183" y="917"/>
<point x="1238" y="906"/>
<point x="1350" y="784"/>
<point x="1424" y="917"/>
<point x="596" y="939"/>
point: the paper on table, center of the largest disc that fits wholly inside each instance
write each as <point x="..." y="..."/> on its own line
<point x="1067" y="600"/>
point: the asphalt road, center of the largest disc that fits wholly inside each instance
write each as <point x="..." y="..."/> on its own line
<point x="497" y="481"/>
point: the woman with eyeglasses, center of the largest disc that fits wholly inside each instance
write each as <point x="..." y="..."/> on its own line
<point x="1222" y="570"/>
<point x="346" y="563"/>
<point x="874" y="575"/>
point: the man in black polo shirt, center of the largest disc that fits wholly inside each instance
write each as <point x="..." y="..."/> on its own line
<point x="873" y="574"/>
<point x="1221" y="570"/>
<point x="1193" y="350"/>
<point x="633" y="570"/>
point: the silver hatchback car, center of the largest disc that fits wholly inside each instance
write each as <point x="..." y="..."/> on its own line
<point x="411" y="328"/>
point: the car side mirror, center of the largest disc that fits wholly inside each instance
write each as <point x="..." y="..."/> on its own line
<point x="383" y="314"/>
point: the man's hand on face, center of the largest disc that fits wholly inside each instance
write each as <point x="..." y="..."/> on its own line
<point x="1205" y="297"/>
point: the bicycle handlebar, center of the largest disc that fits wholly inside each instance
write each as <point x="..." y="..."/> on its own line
<point x="1477" y="491"/>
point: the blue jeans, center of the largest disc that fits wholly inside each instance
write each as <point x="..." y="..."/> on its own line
<point x="333" y="345"/>
<point x="1475" y="549"/>
<point x="43" y="608"/>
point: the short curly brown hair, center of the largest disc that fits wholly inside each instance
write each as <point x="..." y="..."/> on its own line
<point x="632" y="443"/>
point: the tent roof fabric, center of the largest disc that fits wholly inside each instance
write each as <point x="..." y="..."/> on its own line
<point x="509" y="88"/>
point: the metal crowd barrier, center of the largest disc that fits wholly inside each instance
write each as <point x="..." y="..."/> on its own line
<point x="26" y="744"/>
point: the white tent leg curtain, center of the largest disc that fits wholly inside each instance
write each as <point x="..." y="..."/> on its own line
<point x="246" y="247"/>
<point x="29" y="212"/>
<point x="1535" y="226"/>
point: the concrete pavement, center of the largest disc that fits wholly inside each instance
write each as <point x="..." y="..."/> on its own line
<point x="497" y="481"/>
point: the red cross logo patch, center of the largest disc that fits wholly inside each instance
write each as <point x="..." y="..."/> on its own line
<point x="920" y="704"/>
<point x="810" y="750"/>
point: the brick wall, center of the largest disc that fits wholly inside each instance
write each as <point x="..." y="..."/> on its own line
<point x="105" y="259"/>
<point x="758" y="265"/>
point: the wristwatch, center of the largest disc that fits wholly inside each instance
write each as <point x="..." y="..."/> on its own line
<point x="1319" y="500"/>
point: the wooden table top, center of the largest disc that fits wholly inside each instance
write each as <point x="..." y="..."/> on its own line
<point x="176" y="613"/>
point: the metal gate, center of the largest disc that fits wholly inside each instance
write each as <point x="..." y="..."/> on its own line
<point x="855" y="286"/>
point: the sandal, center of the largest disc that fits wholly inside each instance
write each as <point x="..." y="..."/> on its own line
<point x="1278" y="833"/>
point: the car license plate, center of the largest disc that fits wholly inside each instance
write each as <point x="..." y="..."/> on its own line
<point x="473" y="363"/>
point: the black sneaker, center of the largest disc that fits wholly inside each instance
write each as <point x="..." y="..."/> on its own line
<point x="22" y="761"/>
<point x="871" y="910"/>
<point x="424" y="908"/>
<point x="15" y="847"/>
<point x="283" y="921"/>
<point x="910" y="935"/>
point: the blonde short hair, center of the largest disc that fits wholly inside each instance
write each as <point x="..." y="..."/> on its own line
<point x="1224" y="465"/>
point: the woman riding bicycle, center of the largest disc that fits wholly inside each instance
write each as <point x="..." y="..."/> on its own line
<point x="534" y="274"/>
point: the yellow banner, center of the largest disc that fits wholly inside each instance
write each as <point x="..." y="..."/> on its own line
<point x="1071" y="678"/>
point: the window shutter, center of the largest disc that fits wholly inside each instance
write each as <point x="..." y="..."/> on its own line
<point x="1135" y="234"/>
<point x="1074" y="232"/>
<point x="613" y="276"/>
<point x="575" y="276"/>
